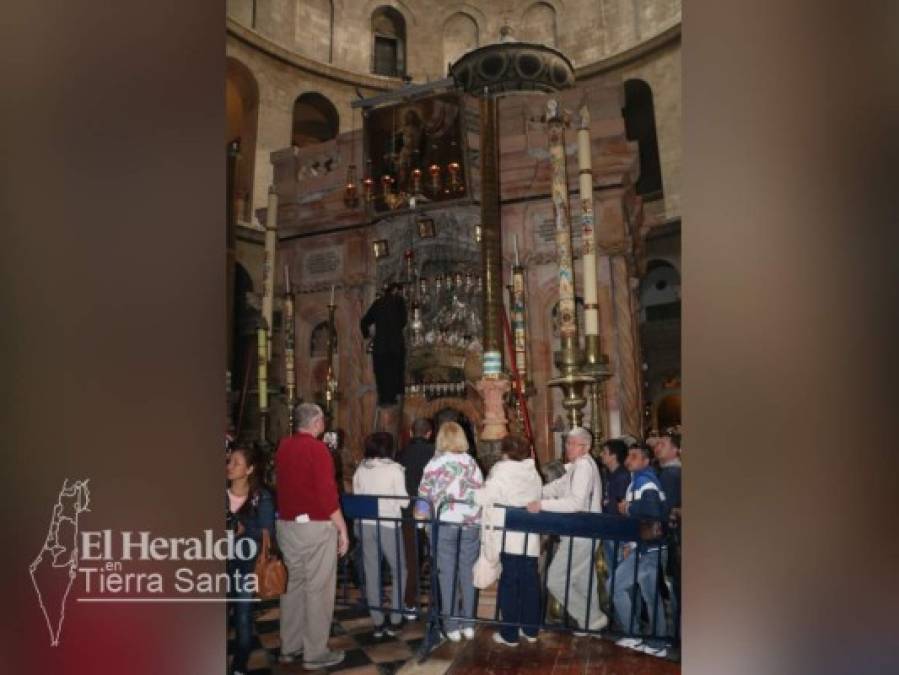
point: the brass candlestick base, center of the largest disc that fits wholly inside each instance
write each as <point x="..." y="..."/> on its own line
<point x="573" y="397"/>
<point x="596" y="365"/>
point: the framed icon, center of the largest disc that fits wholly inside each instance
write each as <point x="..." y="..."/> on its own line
<point x="427" y="229"/>
<point x="380" y="248"/>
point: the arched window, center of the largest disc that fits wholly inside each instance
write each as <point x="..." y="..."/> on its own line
<point x="388" y="34"/>
<point x="315" y="120"/>
<point x="640" y="123"/>
<point x="460" y="34"/>
<point x="660" y="292"/>
<point x="539" y="24"/>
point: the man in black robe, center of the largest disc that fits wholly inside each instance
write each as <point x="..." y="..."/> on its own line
<point x="388" y="315"/>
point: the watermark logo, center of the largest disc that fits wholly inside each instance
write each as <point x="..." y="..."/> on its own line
<point x="54" y="569"/>
<point x="104" y="560"/>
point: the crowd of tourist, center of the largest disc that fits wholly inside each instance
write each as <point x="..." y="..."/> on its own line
<point x="436" y="475"/>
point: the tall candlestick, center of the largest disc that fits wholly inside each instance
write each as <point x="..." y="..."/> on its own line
<point x="585" y="171"/>
<point x="332" y="295"/>
<point x="515" y="245"/>
<point x="290" y="378"/>
<point x="268" y="266"/>
<point x="519" y="322"/>
<point x="262" y="367"/>
<point x="570" y="358"/>
<point x="567" y="311"/>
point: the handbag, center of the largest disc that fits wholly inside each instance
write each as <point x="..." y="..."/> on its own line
<point x="487" y="567"/>
<point x="271" y="574"/>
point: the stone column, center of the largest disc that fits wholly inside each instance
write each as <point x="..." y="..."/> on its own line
<point x="230" y="255"/>
<point x="627" y="347"/>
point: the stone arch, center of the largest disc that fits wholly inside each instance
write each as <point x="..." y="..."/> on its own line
<point x="666" y="409"/>
<point x="388" y="42"/>
<point x="242" y="119"/>
<point x="315" y="120"/>
<point x="460" y="34"/>
<point x="640" y="126"/>
<point x="660" y="291"/>
<point x="539" y="24"/>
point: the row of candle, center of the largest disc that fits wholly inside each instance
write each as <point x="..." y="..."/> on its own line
<point x="467" y="283"/>
<point x="455" y="186"/>
<point x="432" y="390"/>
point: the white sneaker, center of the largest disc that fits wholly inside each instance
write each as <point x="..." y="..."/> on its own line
<point x="293" y="657"/>
<point x="629" y="643"/>
<point x="468" y="633"/>
<point x="453" y="635"/>
<point x="660" y="652"/>
<point x="525" y="636"/>
<point x="498" y="639"/>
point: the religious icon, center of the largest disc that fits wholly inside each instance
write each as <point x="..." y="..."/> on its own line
<point x="380" y="248"/>
<point x="426" y="228"/>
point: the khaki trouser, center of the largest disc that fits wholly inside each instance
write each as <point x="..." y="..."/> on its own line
<point x="583" y="579"/>
<point x="310" y="554"/>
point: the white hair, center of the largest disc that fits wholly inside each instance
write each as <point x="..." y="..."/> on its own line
<point x="583" y="434"/>
<point x="306" y="414"/>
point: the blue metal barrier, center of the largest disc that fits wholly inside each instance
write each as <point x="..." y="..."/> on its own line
<point x="584" y="531"/>
<point x="637" y="573"/>
<point x="357" y="586"/>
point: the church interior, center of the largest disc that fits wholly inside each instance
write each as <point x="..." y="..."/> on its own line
<point x="511" y="168"/>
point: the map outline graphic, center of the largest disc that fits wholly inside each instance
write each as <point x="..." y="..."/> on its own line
<point x="57" y="558"/>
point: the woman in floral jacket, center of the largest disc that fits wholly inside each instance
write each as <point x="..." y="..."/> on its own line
<point x="450" y="479"/>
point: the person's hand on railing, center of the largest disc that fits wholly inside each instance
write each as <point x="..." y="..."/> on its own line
<point x="534" y="506"/>
<point x="622" y="508"/>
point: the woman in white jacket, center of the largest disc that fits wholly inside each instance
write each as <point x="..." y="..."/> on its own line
<point x="514" y="481"/>
<point x="379" y="475"/>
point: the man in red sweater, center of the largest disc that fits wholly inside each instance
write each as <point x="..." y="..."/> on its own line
<point x="311" y="534"/>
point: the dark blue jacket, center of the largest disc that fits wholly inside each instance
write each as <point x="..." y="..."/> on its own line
<point x="647" y="501"/>
<point x="670" y="480"/>
<point x="615" y="490"/>
<point x="257" y="514"/>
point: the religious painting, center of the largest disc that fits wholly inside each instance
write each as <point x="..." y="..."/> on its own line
<point x="380" y="249"/>
<point x="426" y="228"/>
<point x="414" y="153"/>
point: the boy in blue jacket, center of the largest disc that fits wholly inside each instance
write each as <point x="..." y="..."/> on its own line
<point x="645" y="500"/>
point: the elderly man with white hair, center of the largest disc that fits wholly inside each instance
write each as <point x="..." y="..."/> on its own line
<point x="579" y="490"/>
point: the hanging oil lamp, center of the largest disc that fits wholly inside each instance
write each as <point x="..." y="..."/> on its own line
<point x="368" y="184"/>
<point x="434" y="170"/>
<point x="386" y="182"/>
<point x="453" y="168"/>
<point x="351" y="189"/>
